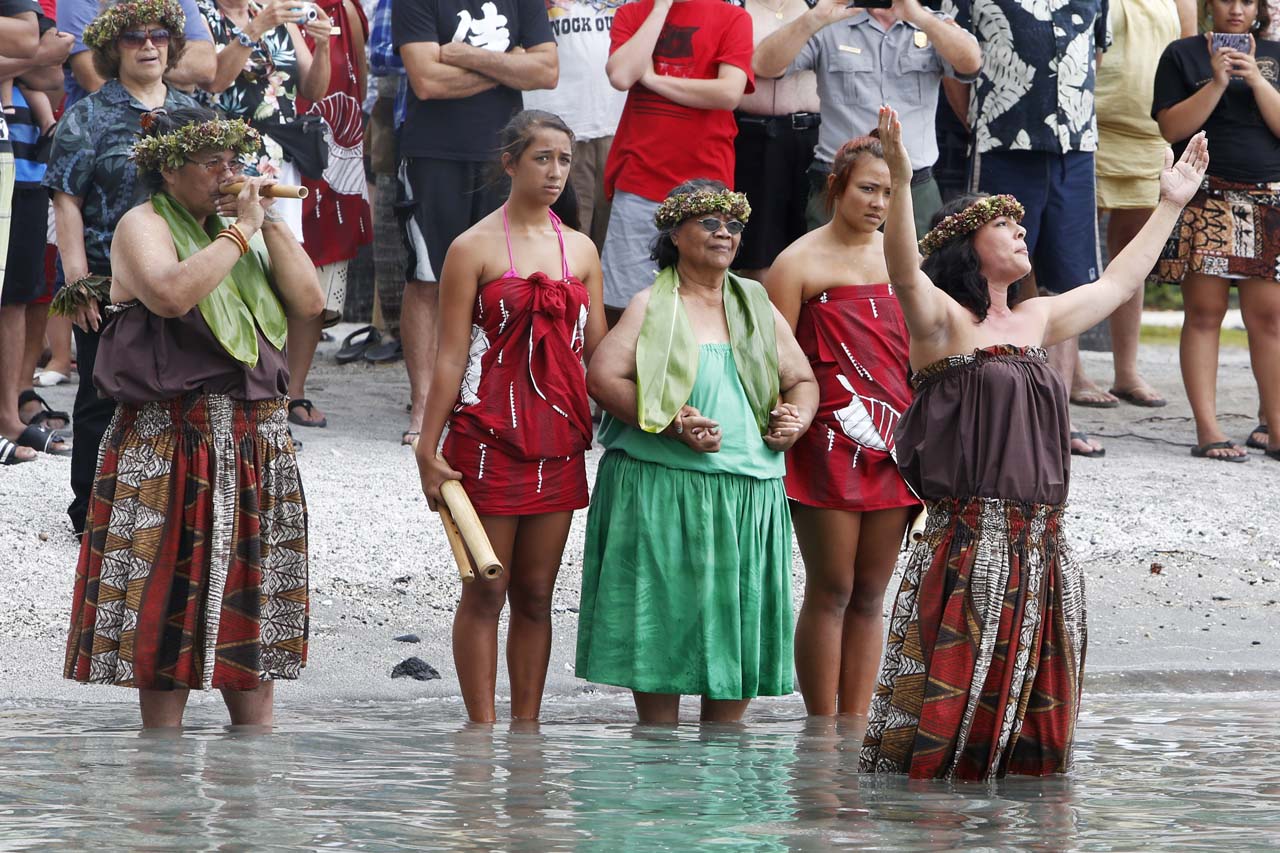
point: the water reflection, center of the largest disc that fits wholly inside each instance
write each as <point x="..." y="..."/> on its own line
<point x="1186" y="773"/>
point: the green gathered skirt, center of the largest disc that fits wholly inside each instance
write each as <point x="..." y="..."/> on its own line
<point x="686" y="583"/>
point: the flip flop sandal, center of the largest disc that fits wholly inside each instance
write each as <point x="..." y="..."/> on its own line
<point x="9" y="453"/>
<point x="1087" y="454"/>
<point x="385" y="352"/>
<point x="1253" y="442"/>
<point x="304" y="403"/>
<point x="39" y="438"/>
<point x="49" y="378"/>
<point x="1094" y="404"/>
<point x="354" y="344"/>
<point x="1134" y="400"/>
<point x="1202" y="451"/>
<point x="408" y="437"/>
<point x="46" y="414"/>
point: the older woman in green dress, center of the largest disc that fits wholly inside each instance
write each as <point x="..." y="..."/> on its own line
<point x="687" y="568"/>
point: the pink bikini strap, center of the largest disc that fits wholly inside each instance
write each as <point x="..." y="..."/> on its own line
<point x="506" y="230"/>
<point x="511" y="259"/>
<point x="564" y="259"/>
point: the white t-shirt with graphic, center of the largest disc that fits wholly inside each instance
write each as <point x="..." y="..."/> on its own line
<point x="584" y="98"/>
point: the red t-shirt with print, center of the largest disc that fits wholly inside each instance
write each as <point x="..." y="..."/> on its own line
<point x="660" y="143"/>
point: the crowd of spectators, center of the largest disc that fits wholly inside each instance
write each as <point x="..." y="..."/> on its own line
<point x="389" y="112"/>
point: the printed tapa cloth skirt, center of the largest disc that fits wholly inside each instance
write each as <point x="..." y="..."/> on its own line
<point x="686" y="582"/>
<point x="1228" y="229"/>
<point x="193" y="566"/>
<point x="985" y="656"/>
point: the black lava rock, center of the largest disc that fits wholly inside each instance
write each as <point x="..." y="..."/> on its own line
<point x="408" y="638"/>
<point x="415" y="668"/>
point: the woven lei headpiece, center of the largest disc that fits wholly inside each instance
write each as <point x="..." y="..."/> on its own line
<point x="108" y="26"/>
<point x="678" y="208"/>
<point x="971" y="219"/>
<point x="171" y="150"/>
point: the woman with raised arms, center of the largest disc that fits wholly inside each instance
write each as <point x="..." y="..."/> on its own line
<point x="984" y="663"/>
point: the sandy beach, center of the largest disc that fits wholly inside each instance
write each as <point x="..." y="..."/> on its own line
<point x="1182" y="555"/>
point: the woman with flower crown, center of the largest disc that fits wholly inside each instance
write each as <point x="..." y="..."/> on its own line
<point x="92" y="184"/>
<point x="686" y="572"/>
<point x="985" y="656"/>
<point x="193" y="569"/>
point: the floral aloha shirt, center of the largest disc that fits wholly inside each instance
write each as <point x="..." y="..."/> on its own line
<point x="1035" y="91"/>
<point x="90" y="160"/>
<point x="266" y="91"/>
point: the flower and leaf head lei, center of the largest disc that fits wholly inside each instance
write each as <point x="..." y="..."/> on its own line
<point x="108" y="26"/>
<point x="970" y="219"/>
<point x="678" y="208"/>
<point x="171" y="150"/>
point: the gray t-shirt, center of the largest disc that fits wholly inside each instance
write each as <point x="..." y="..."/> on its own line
<point x="860" y="66"/>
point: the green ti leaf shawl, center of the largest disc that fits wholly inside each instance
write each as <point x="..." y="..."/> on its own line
<point x="243" y="299"/>
<point x="667" y="351"/>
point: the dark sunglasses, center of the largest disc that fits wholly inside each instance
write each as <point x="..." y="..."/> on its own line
<point x="137" y="38"/>
<point x="712" y="225"/>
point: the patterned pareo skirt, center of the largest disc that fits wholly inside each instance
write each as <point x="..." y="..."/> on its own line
<point x="193" y="566"/>
<point x="1228" y="229"/>
<point x="985" y="657"/>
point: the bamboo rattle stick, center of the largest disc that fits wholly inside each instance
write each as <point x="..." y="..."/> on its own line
<point x="916" y="533"/>
<point x="457" y="512"/>
<point x="456" y="545"/>
<point x="274" y="191"/>
<point x="477" y="541"/>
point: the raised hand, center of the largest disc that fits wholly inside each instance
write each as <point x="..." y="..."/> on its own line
<point x="1180" y="181"/>
<point x="895" y="151"/>
<point x="321" y="28"/>
<point x="829" y="11"/>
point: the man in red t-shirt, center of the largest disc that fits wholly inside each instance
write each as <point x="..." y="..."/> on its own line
<point x="685" y="64"/>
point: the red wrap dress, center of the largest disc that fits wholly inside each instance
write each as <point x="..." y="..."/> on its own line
<point x="522" y="423"/>
<point x="856" y="341"/>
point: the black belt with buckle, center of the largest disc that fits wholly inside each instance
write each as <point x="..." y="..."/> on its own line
<point x="919" y="176"/>
<point x="793" y="121"/>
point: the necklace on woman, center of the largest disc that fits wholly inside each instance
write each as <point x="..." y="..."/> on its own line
<point x="777" y="12"/>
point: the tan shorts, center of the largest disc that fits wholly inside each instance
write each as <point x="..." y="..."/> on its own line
<point x="1127" y="193"/>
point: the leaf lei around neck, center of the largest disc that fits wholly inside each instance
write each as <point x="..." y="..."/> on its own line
<point x="667" y="351"/>
<point x="243" y="300"/>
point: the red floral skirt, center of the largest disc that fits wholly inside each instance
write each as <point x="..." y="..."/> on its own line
<point x="499" y="484"/>
<point x="985" y="657"/>
<point x="193" y="566"/>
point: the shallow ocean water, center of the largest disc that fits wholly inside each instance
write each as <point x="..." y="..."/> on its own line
<point x="1154" y="771"/>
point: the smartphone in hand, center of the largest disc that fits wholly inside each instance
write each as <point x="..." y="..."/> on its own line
<point x="1231" y="41"/>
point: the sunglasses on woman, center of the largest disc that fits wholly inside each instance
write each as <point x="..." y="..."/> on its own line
<point x="712" y="225"/>
<point x="137" y="38"/>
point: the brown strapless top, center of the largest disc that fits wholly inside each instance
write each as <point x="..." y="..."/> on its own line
<point x="144" y="358"/>
<point x="993" y="424"/>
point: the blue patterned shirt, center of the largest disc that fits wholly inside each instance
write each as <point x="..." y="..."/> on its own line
<point x="384" y="61"/>
<point x="90" y="160"/>
<point x="1035" y="91"/>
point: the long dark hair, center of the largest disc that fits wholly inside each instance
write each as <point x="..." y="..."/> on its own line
<point x="663" y="250"/>
<point x="954" y="266"/>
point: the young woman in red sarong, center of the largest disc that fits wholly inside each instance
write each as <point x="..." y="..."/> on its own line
<point x="510" y="381"/>
<point x="985" y="658"/>
<point x="849" y="504"/>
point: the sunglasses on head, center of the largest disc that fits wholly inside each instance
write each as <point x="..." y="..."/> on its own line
<point x="711" y="224"/>
<point x="137" y="38"/>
